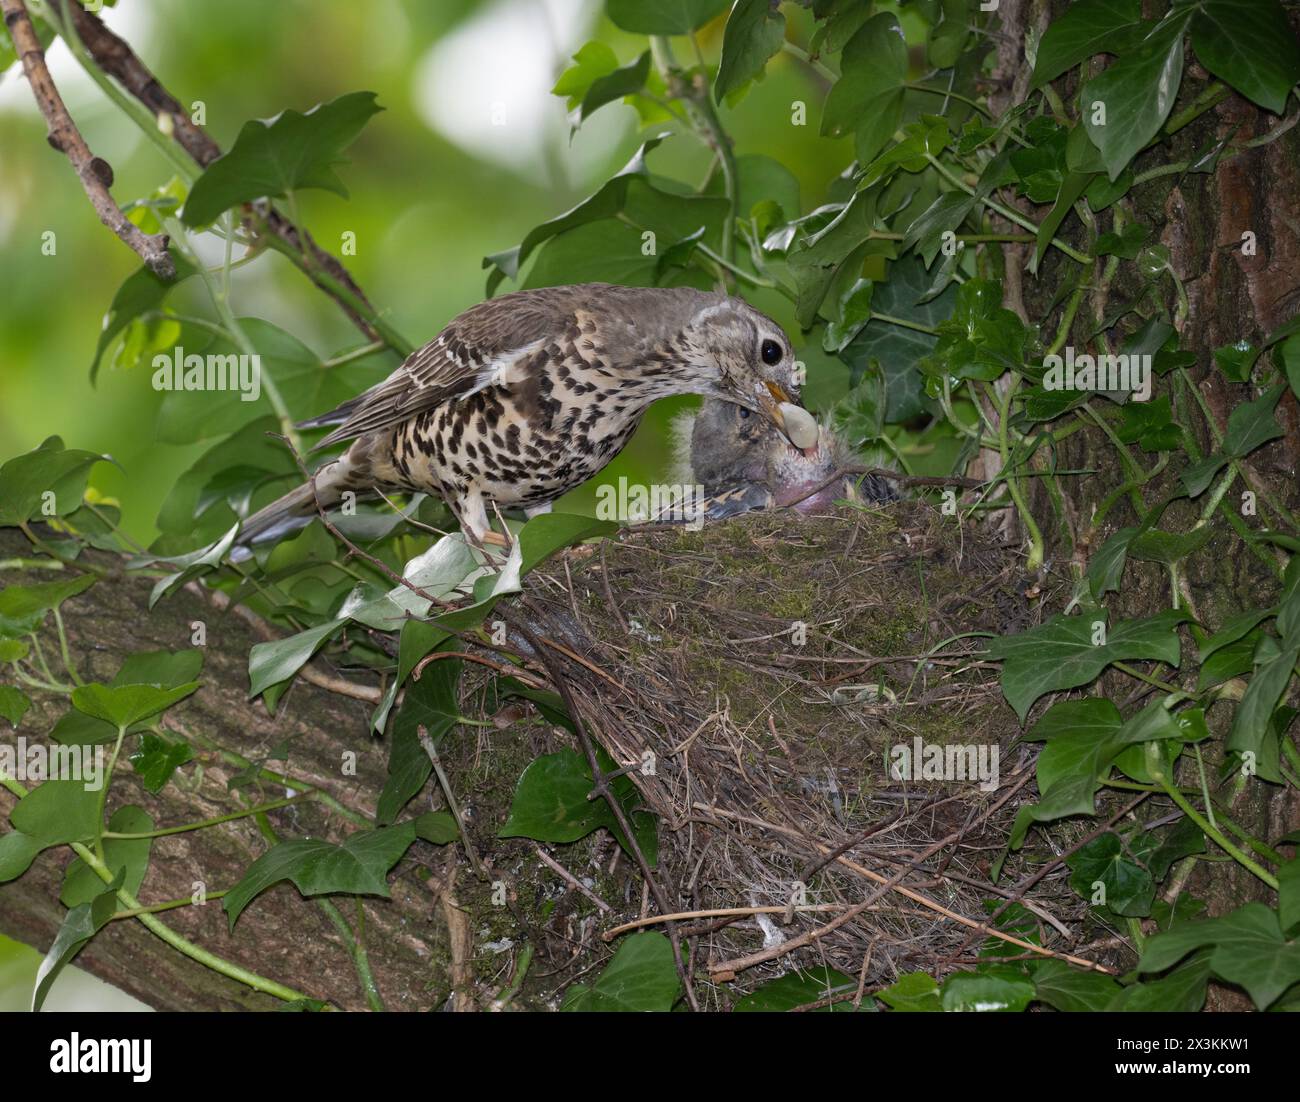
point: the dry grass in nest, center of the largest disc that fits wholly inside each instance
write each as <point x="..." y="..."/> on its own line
<point x="766" y="759"/>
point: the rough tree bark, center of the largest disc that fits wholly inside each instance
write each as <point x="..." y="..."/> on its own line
<point x="1231" y="295"/>
<point x="278" y="935"/>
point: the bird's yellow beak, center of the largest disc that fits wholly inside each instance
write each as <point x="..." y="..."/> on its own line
<point x="794" y="422"/>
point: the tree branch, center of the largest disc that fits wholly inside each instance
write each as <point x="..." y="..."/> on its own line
<point x="95" y="173"/>
<point x="116" y="58"/>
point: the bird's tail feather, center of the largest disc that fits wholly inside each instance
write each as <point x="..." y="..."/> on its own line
<point x="295" y="509"/>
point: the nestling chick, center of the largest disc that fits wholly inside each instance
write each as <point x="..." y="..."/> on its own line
<point x="743" y="465"/>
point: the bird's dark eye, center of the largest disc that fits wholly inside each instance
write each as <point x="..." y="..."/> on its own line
<point x="771" y="353"/>
<point x="742" y="412"/>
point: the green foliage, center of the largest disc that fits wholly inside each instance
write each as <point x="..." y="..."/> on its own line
<point x="291" y="152"/>
<point x="641" y="977"/>
<point x="911" y="328"/>
<point x="552" y="804"/>
<point x="316" y="867"/>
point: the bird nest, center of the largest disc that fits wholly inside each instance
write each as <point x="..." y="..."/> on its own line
<point x="779" y="690"/>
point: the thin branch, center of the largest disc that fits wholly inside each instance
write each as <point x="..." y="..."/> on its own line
<point x="116" y="58"/>
<point x="95" y="173"/>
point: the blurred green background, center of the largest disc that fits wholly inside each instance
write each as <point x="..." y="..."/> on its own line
<point x="434" y="187"/>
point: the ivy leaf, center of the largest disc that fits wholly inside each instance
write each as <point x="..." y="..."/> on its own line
<point x="1288" y="895"/>
<point x="1138" y="91"/>
<point x="1106" y="567"/>
<point x="437" y="827"/>
<point x="1290" y="353"/>
<point x="1228" y="662"/>
<point x="1252" y="424"/>
<point x="1061" y="654"/>
<point x="1127" y="243"/>
<point x="982" y="339"/>
<point x="430" y="702"/>
<point x="900" y="350"/>
<point x="141" y="292"/>
<point x="157" y="759"/>
<point x="615" y="85"/>
<point x="1180" y="992"/>
<point x="799" y="989"/>
<point x="1072" y="989"/>
<point x="25" y="479"/>
<point x="17" y="852"/>
<point x="592" y="61"/>
<point x="164" y="668"/>
<point x="1150" y="425"/>
<point x="1252" y="729"/>
<point x="79" y="925"/>
<point x="1250" y="45"/>
<point x="58" y="812"/>
<point x="1071" y="766"/>
<point x="997" y="989"/>
<point x="186" y="416"/>
<point x="755" y="31"/>
<point x="1248" y="948"/>
<point x="662" y="16"/>
<point x="1196" y="477"/>
<point x="814" y="266"/>
<point x="913" y="992"/>
<point x="13" y="704"/>
<point x="551" y="805"/>
<point x="357" y="867"/>
<point x="641" y="977"/>
<point x="123" y="705"/>
<point x="278" y="660"/>
<point x="949" y="35"/>
<point x="853" y="312"/>
<point x="1074" y="185"/>
<point x="23" y="607"/>
<point x="868" y="98"/>
<point x="548" y="533"/>
<point x="191" y="565"/>
<point x="1085" y="28"/>
<point x="126" y="856"/>
<point x="288" y="153"/>
<point x="944" y="215"/>
<point x="1235" y="360"/>
<point x="1106" y="860"/>
<point x="1156" y="545"/>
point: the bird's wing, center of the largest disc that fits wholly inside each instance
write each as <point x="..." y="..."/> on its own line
<point x="475" y="351"/>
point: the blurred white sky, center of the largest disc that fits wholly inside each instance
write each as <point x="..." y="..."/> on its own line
<point x="486" y="86"/>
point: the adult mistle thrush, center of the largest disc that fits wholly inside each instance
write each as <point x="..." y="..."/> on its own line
<point x="523" y="397"/>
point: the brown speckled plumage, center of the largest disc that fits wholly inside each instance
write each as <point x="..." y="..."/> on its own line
<point x="524" y="397"/>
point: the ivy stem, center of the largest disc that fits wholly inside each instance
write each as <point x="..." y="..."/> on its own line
<point x="169" y="905"/>
<point x="818" y="66"/>
<point x="183" y="945"/>
<point x="64" y="652"/>
<point x="218" y="819"/>
<point x="697" y="98"/>
<point x="1213" y="832"/>
<point x="1032" y="532"/>
<point x="235" y="331"/>
<point x="916" y="325"/>
<point x="1006" y="212"/>
<point x="30" y="564"/>
<point x="1155" y="682"/>
<point x="356" y="354"/>
<point x="949" y="94"/>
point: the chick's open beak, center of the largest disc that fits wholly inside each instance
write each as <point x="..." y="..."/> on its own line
<point x="794" y="422"/>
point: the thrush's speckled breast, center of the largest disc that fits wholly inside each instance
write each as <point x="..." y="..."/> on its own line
<point x="524" y="397"/>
